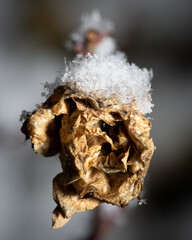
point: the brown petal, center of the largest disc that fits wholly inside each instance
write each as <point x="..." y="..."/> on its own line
<point x="58" y="218"/>
<point x="68" y="200"/>
<point x="94" y="180"/>
<point x="44" y="132"/>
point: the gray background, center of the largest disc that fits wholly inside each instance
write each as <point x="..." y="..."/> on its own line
<point x="154" y="34"/>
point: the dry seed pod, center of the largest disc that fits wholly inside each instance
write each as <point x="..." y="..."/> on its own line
<point x="105" y="149"/>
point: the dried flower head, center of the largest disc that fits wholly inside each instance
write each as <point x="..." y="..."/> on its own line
<point x="95" y="120"/>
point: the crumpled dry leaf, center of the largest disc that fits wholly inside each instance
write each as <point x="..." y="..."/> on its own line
<point x="105" y="150"/>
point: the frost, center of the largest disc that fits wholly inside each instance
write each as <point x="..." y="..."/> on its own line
<point x="49" y="87"/>
<point x="142" y="202"/>
<point x="110" y="76"/>
<point x="23" y="116"/>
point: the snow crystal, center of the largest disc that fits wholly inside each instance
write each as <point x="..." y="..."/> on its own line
<point x="110" y="76"/>
<point x="142" y="202"/>
<point x="49" y="87"/>
<point x="23" y="116"/>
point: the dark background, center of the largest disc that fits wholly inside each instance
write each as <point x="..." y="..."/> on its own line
<point x="154" y="34"/>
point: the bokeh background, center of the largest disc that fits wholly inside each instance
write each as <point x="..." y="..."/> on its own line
<point x="155" y="34"/>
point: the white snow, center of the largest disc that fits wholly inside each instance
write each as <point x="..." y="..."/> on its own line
<point x="106" y="47"/>
<point x="92" y="21"/>
<point x="111" y="75"/>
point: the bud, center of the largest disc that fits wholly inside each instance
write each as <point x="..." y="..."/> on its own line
<point x="93" y="36"/>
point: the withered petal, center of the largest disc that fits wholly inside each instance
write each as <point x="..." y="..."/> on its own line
<point x="105" y="150"/>
<point x="58" y="218"/>
<point x="68" y="200"/>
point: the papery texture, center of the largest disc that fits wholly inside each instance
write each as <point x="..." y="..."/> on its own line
<point x="105" y="149"/>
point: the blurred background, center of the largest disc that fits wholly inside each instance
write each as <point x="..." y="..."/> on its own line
<point x="156" y="34"/>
